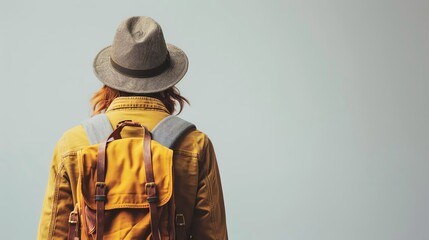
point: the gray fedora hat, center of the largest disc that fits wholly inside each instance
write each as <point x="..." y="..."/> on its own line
<point x="139" y="60"/>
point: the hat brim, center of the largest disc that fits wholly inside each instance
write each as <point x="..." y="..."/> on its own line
<point x="112" y="78"/>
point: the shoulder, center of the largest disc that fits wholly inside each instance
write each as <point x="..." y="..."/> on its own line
<point x="72" y="140"/>
<point x="194" y="142"/>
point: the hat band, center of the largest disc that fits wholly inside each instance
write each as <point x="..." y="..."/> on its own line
<point x="142" y="73"/>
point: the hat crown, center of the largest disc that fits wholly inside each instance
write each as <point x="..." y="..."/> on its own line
<point x="139" y="60"/>
<point x="139" y="44"/>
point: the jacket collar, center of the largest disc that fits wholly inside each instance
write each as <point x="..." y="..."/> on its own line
<point x="137" y="102"/>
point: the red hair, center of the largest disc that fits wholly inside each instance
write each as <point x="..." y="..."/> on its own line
<point x="102" y="99"/>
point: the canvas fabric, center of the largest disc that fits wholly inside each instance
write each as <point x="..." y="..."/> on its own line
<point x="127" y="215"/>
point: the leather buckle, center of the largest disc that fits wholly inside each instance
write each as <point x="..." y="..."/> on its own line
<point x="180" y="220"/>
<point x="100" y="184"/>
<point x="102" y="187"/>
<point x="151" y="196"/>
<point x="149" y="185"/>
<point x="73" y="217"/>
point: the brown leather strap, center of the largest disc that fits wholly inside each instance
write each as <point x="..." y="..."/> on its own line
<point x="100" y="190"/>
<point x="180" y="227"/>
<point x="151" y="188"/>
<point x="73" y="233"/>
<point x="171" y="215"/>
<point x="176" y="221"/>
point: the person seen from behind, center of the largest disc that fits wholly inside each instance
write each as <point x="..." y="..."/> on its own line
<point x="139" y="72"/>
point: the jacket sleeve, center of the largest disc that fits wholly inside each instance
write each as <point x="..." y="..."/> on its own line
<point x="58" y="202"/>
<point x="209" y="220"/>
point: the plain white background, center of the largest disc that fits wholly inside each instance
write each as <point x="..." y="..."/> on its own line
<point x="318" y="110"/>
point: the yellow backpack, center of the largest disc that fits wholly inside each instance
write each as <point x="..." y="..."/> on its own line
<point x="125" y="185"/>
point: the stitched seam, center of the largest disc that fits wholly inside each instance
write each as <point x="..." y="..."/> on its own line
<point x="53" y="223"/>
<point x="138" y="105"/>
<point x="142" y="102"/>
<point x="137" y="109"/>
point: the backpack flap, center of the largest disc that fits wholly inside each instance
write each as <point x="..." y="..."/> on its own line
<point x="125" y="174"/>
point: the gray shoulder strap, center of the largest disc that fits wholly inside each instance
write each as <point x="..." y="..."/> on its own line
<point x="170" y="129"/>
<point x="97" y="128"/>
<point x="166" y="132"/>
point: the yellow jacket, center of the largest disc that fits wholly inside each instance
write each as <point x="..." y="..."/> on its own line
<point x="198" y="187"/>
